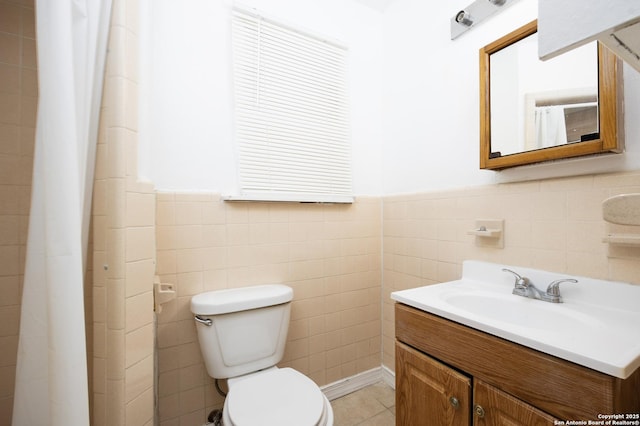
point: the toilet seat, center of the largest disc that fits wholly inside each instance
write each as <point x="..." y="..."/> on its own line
<point x="279" y="397"/>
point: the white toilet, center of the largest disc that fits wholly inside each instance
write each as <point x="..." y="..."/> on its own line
<point x="242" y="334"/>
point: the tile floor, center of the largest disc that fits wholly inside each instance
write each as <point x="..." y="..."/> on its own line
<point x="371" y="406"/>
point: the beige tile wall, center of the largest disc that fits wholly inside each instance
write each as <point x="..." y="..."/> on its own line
<point x="18" y="100"/>
<point x="329" y="254"/>
<point x="551" y="224"/>
<point x="124" y="244"/>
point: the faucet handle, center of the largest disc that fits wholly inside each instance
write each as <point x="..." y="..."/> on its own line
<point x="554" y="287"/>
<point x="520" y="280"/>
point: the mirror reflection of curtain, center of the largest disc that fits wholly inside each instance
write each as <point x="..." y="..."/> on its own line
<point x="550" y="126"/>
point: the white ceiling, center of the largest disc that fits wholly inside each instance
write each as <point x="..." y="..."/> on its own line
<point x="376" y="4"/>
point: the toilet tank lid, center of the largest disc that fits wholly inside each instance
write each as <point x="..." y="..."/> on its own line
<point x="240" y="299"/>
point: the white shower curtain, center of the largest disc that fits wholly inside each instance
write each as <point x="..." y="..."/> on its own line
<point x="551" y="129"/>
<point x="51" y="374"/>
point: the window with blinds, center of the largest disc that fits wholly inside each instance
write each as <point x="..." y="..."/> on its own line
<point x="291" y="114"/>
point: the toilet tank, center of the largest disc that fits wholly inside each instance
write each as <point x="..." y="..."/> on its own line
<point x="242" y="330"/>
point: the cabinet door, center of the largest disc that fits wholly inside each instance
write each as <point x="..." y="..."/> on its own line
<point x="492" y="407"/>
<point x="428" y="392"/>
<point x="563" y="25"/>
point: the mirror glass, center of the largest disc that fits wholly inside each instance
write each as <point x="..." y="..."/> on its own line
<point x="533" y="110"/>
<point x="551" y="103"/>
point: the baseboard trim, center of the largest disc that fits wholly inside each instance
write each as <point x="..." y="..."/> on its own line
<point x="388" y="376"/>
<point x="356" y="382"/>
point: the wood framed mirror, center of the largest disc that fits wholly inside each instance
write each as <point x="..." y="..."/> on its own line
<point x="533" y="111"/>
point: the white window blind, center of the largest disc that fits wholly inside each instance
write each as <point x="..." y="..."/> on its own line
<point x="292" y="127"/>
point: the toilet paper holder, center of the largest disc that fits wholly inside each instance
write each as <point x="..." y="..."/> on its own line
<point x="162" y="293"/>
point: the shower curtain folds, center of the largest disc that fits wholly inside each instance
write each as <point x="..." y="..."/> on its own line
<point x="51" y="372"/>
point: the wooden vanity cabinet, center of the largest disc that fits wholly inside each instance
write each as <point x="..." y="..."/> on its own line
<point x="493" y="381"/>
<point x="432" y="394"/>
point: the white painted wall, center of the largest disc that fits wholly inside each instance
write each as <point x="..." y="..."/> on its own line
<point x="414" y="94"/>
<point x="431" y="102"/>
<point x="186" y="104"/>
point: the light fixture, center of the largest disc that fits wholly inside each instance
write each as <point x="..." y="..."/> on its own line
<point x="464" y="18"/>
<point x="474" y="14"/>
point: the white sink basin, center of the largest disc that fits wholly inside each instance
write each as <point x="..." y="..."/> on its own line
<point x="597" y="326"/>
<point x="519" y="312"/>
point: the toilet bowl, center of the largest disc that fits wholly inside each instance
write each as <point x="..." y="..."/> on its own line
<point x="242" y="334"/>
<point x="276" y="397"/>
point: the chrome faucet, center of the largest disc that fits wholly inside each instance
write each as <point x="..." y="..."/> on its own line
<point x="525" y="288"/>
<point x="553" y="291"/>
